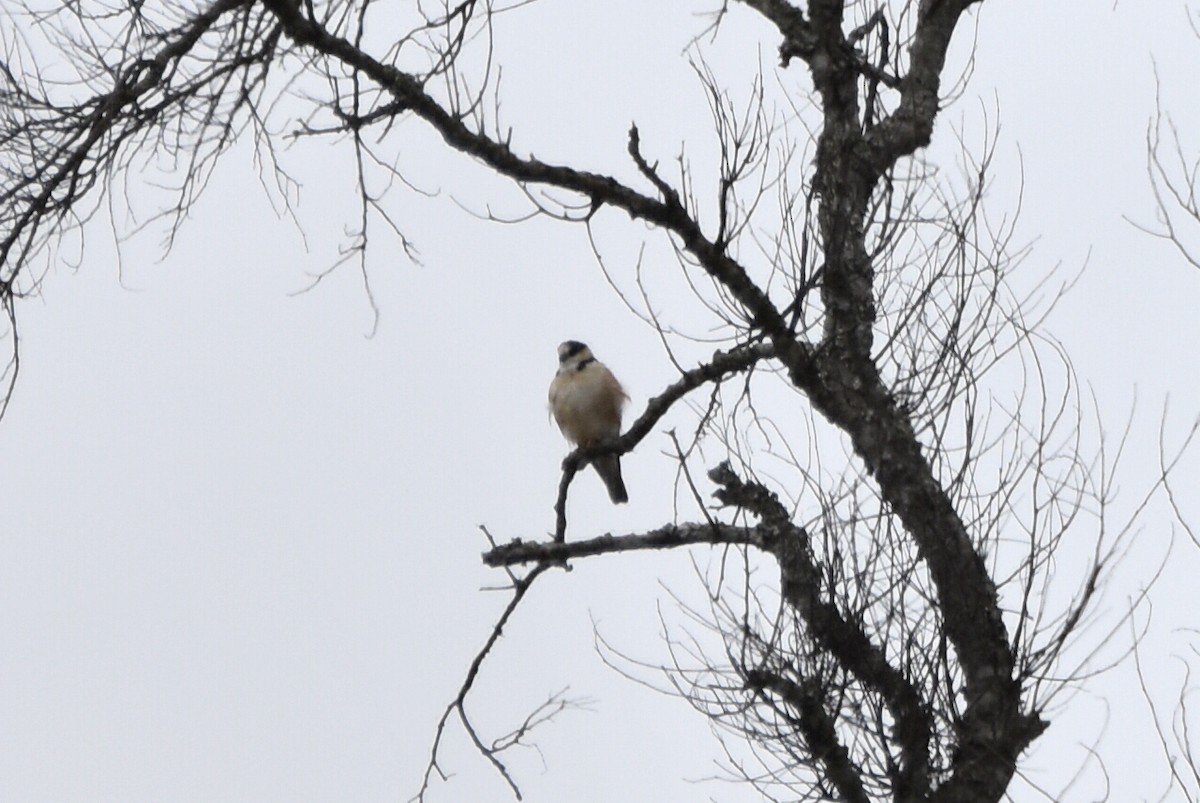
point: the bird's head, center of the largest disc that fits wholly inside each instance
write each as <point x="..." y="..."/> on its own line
<point x="572" y="353"/>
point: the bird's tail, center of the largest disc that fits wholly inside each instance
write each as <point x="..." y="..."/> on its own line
<point x="609" y="469"/>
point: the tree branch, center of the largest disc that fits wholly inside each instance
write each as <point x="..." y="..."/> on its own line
<point x="672" y="217"/>
<point x="521" y="587"/>
<point x="910" y="126"/>
<point x="804" y="589"/>
<point x="667" y="537"/>
<point x="56" y="187"/>
<point x="816" y="725"/>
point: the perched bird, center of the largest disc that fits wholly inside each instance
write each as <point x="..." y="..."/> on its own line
<point x="586" y="400"/>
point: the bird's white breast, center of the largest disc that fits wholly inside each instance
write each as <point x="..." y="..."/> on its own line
<point x="587" y="404"/>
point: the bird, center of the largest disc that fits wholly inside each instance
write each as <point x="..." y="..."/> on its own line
<point x="586" y="401"/>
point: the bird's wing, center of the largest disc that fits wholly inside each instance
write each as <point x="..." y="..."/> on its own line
<point x="610" y="400"/>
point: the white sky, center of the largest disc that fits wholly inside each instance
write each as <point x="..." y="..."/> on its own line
<point x="240" y="555"/>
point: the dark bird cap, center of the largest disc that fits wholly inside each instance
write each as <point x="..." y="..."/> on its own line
<point x="570" y="348"/>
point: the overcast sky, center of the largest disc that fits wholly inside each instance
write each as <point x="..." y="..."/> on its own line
<point x="240" y="553"/>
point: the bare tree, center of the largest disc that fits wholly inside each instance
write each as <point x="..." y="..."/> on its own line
<point x="1174" y="171"/>
<point x="1169" y="687"/>
<point x="902" y="450"/>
